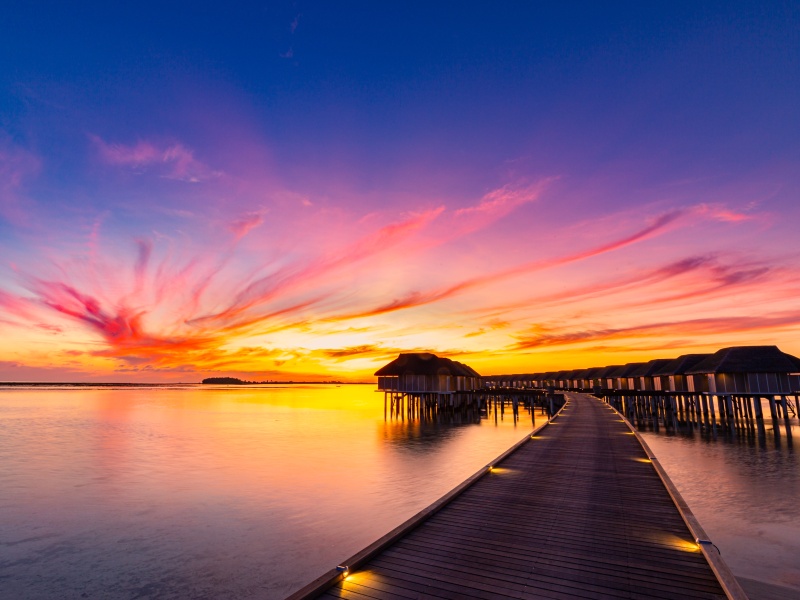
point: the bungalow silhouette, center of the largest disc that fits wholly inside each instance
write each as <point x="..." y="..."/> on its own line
<point x="605" y="377"/>
<point x="426" y="373"/>
<point x="622" y="376"/>
<point x="747" y="370"/>
<point x="672" y="376"/>
<point x="645" y="376"/>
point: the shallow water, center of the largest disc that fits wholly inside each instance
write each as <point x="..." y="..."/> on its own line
<point x="746" y="494"/>
<point x="206" y="492"/>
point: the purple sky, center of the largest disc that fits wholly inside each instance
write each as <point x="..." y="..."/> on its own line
<point x="300" y="189"/>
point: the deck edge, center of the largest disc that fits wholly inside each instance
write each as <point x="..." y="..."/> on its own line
<point x="722" y="571"/>
<point x="332" y="577"/>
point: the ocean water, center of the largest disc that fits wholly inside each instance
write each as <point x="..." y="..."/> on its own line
<point x="241" y="492"/>
<point x="746" y="493"/>
<point x="212" y="492"/>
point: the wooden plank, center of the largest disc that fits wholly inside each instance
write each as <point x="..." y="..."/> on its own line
<point x="578" y="511"/>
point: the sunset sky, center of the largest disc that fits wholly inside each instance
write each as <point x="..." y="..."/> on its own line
<point x="301" y="190"/>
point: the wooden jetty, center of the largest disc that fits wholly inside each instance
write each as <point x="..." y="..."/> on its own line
<point x="727" y="392"/>
<point x="421" y="385"/>
<point x="577" y="509"/>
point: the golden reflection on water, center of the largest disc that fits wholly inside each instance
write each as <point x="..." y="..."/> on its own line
<point x="220" y="490"/>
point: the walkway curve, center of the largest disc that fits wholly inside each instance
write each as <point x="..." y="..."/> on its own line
<point x="577" y="512"/>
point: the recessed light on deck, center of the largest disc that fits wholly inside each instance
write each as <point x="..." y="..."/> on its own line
<point x="678" y="542"/>
<point x="344" y="570"/>
<point x="701" y="543"/>
<point x="491" y="468"/>
<point x="644" y="460"/>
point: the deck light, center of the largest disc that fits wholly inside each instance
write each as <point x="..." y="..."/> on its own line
<point x="707" y="543"/>
<point x="344" y="570"/>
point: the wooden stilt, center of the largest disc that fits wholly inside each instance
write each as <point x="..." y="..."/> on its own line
<point x="731" y="422"/>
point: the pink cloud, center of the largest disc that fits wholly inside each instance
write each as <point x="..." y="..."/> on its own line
<point x="720" y="212"/>
<point x="242" y="226"/>
<point x="17" y="311"/>
<point x="175" y="160"/>
<point x="294" y="277"/>
<point x="16" y="166"/>
<point x="492" y="206"/>
<point x="417" y="298"/>
<point x="688" y="327"/>
<point x="171" y="302"/>
<point x="503" y="200"/>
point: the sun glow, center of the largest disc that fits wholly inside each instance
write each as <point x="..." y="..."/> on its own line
<point x="211" y="236"/>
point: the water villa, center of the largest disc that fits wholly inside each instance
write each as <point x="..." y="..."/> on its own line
<point x="722" y="390"/>
<point x="656" y="547"/>
<point x="425" y="382"/>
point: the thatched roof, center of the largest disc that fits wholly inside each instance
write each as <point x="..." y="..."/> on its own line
<point x="648" y="369"/>
<point x="625" y="370"/>
<point x="679" y="366"/>
<point x="748" y="359"/>
<point x="605" y="372"/>
<point x="425" y="363"/>
<point x="594" y="373"/>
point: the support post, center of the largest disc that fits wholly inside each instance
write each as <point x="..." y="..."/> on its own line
<point x="729" y="409"/>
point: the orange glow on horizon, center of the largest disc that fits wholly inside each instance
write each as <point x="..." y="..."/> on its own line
<point x="163" y="317"/>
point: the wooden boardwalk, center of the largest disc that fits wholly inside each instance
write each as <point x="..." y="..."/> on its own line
<point x="577" y="512"/>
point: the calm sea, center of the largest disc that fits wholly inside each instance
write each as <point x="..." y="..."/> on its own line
<point x="746" y="494"/>
<point x="207" y="492"/>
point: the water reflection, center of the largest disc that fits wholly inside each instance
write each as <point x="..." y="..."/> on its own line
<point x="430" y="430"/>
<point x="207" y="492"/>
<point x="744" y="489"/>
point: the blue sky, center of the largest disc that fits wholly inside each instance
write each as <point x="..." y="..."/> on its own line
<point x="268" y="138"/>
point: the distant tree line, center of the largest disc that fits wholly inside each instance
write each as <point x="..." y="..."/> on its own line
<point x="227" y="380"/>
<point x="237" y="381"/>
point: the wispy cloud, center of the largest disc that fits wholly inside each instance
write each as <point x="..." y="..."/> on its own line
<point x="502" y="201"/>
<point x="209" y="302"/>
<point x="16" y="167"/>
<point x="173" y="160"/>
<point x="420" y="298"/>
<point x="689" y="328"/>
<point x="242" y="226"/>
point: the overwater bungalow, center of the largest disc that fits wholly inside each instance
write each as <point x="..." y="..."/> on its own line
<point x="556" y="378"/>
<point x="579" y="378"/>
<point x="622" y="379"/>
<point x="605" y="379"/>
<point x="644" y="375"/>
<point x="536" y="380"/>
<point x="564" y="378"/>
<point x="672" y="377"/>
<point x="547" y="379"/>
<point x="593" y="378"/>
<point x="423" y="373"/>
<point x="747" y="370"/>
